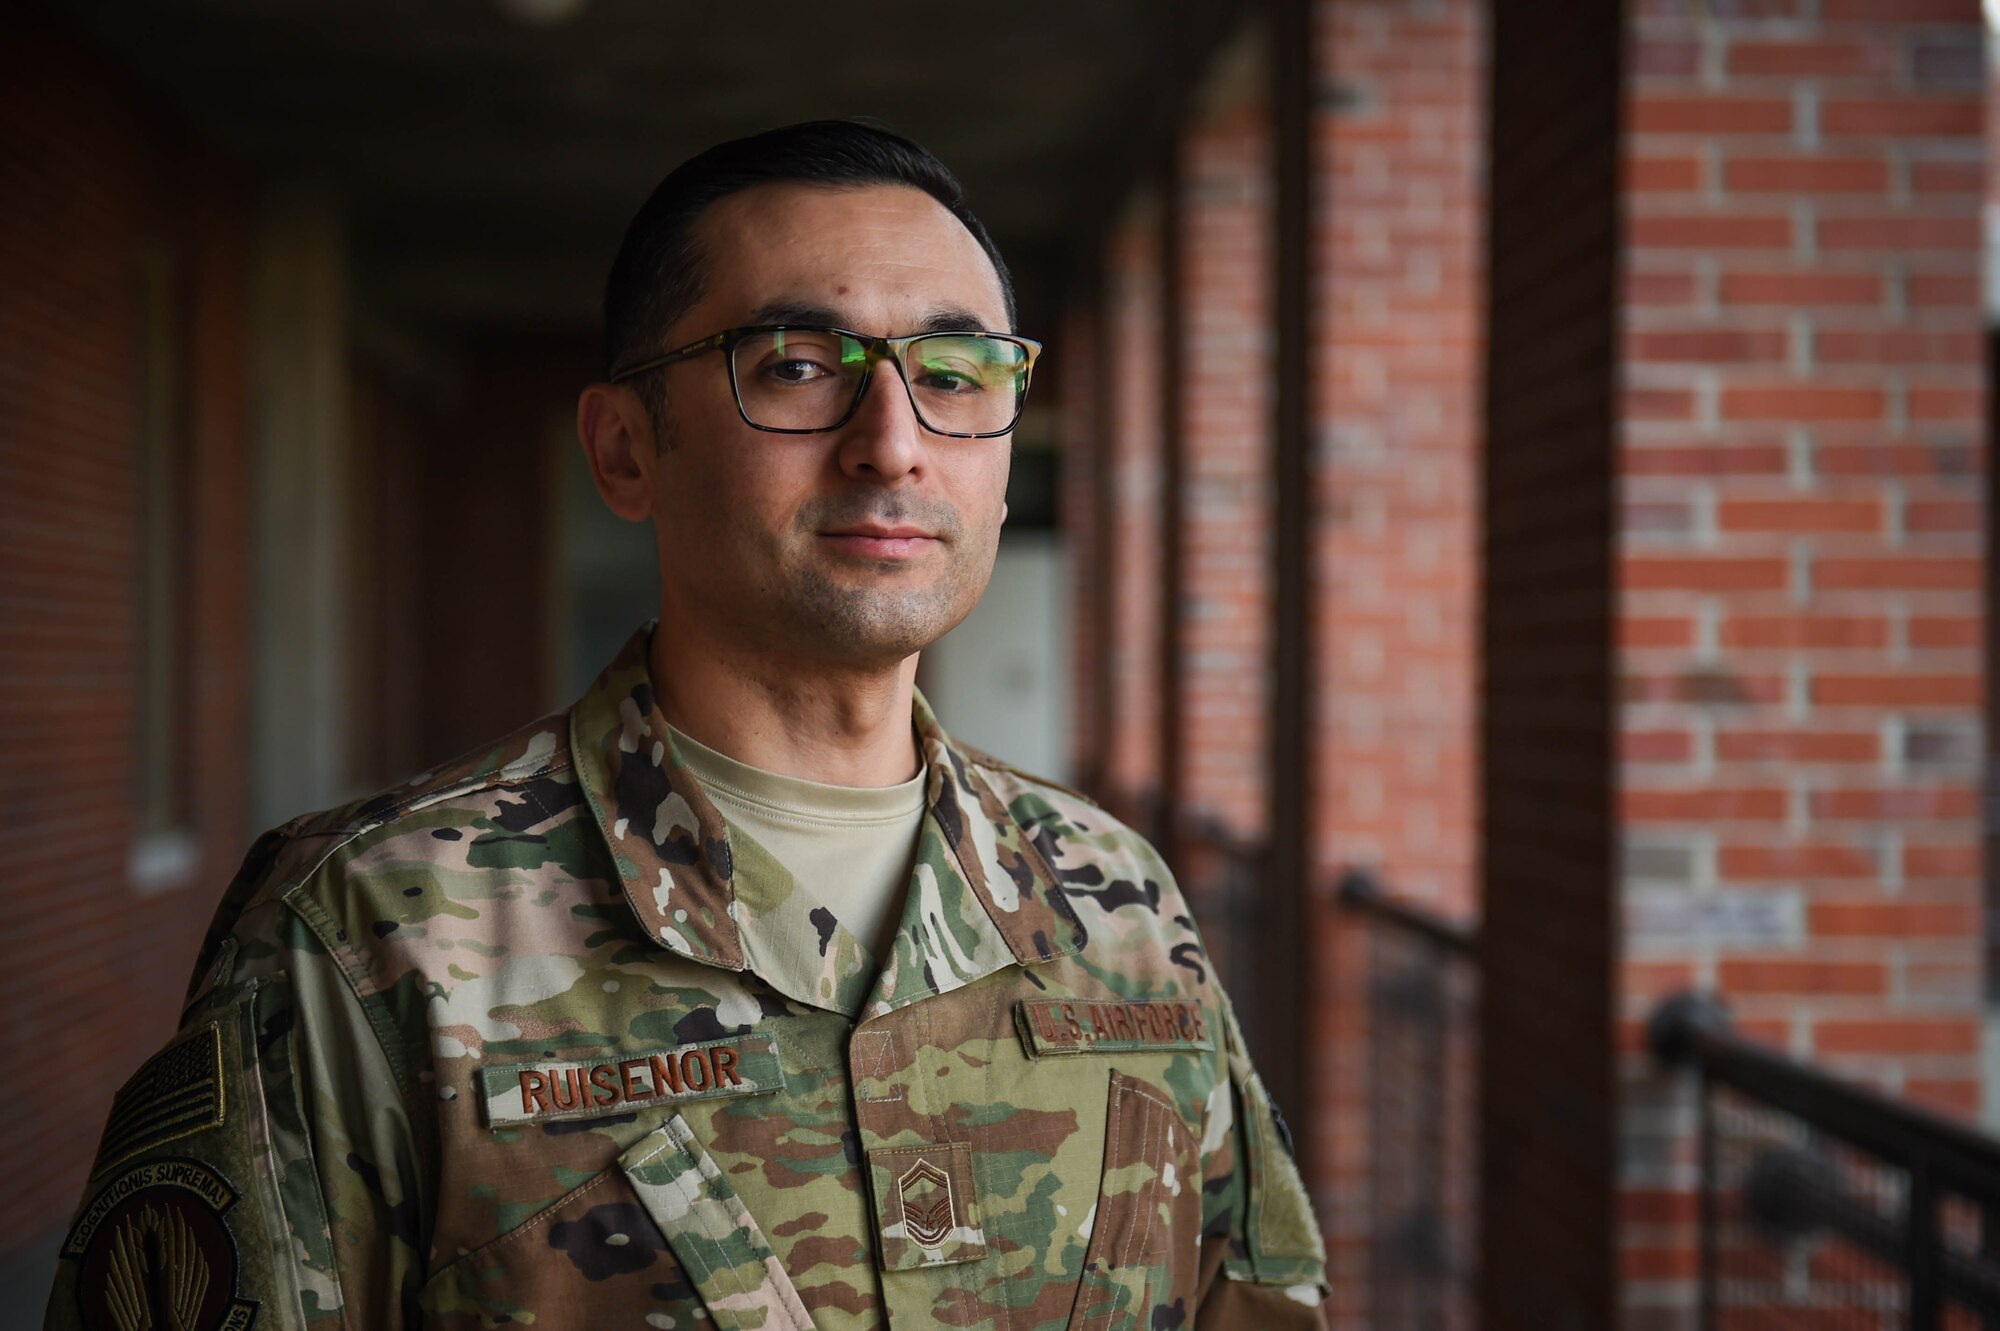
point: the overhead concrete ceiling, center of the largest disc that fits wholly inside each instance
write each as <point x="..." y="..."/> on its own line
<point x="490" y="159"/>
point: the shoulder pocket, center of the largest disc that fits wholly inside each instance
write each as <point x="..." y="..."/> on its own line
<point x="1281" y="1233"/>
<point x="1281" y="1238"/>
<point x="1142" y="1264"/>
<point x="204" y="1190"/>
<point x="726" y="1255"/>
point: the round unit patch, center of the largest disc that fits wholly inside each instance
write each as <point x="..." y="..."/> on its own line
<point x="154" y="1252"/>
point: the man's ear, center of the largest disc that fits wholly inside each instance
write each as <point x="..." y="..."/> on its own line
<point x="616" y="432"/>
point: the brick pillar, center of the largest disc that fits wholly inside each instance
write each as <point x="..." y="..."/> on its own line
<point x="1399" y="148"/>
<point x="1132" y="355"/>
<point x="1225" y="412"/>
<point x="1080" y="412"/>
<point x="1801" y="590"/>
<point x="1548" y="920"/>
<point x="1399" y="170"/>
<point x="488" y="471"/>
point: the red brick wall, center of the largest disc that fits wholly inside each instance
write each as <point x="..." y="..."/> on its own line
<point x="1400" y="162"/>
<point x="93" y="971"/>
<point x="1225" y="535"/>
<point x="1802" y="577"/>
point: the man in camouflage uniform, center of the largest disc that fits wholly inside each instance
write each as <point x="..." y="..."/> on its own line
<point x="542" y="1039"/>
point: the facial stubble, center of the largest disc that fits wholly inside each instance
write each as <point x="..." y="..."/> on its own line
<point x="868" y="615"/>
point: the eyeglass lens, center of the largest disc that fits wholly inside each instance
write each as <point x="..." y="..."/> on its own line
<point x="808" y="379"/>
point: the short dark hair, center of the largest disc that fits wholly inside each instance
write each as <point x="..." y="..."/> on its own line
<point x="657" y="275"/>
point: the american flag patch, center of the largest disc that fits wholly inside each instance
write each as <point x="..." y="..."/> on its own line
<point x="176" y="1094"/>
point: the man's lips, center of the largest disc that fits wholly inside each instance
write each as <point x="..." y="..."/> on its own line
<point x="881" y="542"/>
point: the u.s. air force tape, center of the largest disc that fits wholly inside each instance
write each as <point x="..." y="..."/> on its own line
<point x="621" y="1083"/>
<point x="1111" y="1026"/>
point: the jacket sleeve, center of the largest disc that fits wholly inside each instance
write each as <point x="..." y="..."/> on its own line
<point x="258" y="1170"/>
<point x="1263" y="1264"/>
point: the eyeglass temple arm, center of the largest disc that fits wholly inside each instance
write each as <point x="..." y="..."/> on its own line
<point x="692" y="349"/>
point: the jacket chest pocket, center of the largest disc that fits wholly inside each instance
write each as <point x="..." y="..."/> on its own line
<point x="1145" y="1235"/>
<point x="1042" y="1219"/>
<point x="659" y="1235"/>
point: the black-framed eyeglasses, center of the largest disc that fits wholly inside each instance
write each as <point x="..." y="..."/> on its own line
<point x="800" y="379"/>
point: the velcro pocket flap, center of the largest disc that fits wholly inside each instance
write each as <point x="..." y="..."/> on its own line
<point x="1280" y="1232"/>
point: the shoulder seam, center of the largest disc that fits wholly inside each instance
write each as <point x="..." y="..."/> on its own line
<point x="494" y="780"/>
<point x="313" y="914"/>
<point x="497" y="779"/>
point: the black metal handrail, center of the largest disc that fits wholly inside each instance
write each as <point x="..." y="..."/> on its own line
<point x="1358" y="890"/>
<point x="1792" y="1193"/>
<point x="1694" y="1028"/>
<point x="1422" y="995"/>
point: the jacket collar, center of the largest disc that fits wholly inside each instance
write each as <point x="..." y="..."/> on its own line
<point x="668" y="842"/>
<point x="981" y="896"/>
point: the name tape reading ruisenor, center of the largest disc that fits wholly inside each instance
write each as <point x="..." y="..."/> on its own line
<point x="565" y="1089"/>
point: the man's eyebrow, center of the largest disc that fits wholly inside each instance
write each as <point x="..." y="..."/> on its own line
<point x="944" y="319"/>
<point x="789" y="312"/>
<point x="950" y="320"/>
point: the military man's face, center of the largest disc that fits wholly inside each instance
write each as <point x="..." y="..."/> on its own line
<point x="864" y="544"/>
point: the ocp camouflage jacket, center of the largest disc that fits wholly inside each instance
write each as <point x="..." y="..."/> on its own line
<point x="519" y="1044"/>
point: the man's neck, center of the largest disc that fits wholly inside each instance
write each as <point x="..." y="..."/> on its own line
<point x="843" y="728"/>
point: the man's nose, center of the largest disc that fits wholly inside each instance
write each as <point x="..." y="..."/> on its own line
<point x="883" y="441"/>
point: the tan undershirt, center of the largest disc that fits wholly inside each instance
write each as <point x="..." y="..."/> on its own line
<point x="851" y="847"/>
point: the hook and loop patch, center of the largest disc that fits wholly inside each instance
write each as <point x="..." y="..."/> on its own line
<point x="154" y="1251"/>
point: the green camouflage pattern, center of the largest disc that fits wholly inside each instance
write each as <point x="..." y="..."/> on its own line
<point x="684" y="1193"/>
<point x="508" y="1010"/>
